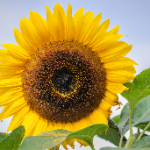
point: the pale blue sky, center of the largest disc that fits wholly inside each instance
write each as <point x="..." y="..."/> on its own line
<point x="133" y="16"/>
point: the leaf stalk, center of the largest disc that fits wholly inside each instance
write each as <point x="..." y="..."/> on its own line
<point x="130" y="140"/>
<point x="121" y="139"/>
<point x="143" y="131"/>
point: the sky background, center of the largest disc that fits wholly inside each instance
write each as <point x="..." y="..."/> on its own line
<point x="133" y="16"/>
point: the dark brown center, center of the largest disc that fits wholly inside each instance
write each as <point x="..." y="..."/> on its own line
<point x="64" y="81"/>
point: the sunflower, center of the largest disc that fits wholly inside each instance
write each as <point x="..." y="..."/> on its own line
<point x="65" y="72"/>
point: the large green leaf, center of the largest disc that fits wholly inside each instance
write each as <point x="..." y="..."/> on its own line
<point x="116" y="119"/>
<point x="143" y="125"/>
<point x="113" y="134"/>
<point x="141" y="113"/>
<point x="13" y="140"/>
<point x="50" y="139"/>
<point x="113" y="148"/>
<point x="45" y="140"/>
<point x="88" y="133"/>
<point x="142" y="143"/>
<point x="118" y="148"/>
<point x="2" y="136"/>
<point x="138" y="89"/>
<point x="124" y="117"/>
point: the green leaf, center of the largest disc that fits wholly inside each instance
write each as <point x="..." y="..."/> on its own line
<point x="141" y="113"/>
<point x="113" y="148"/>
<point x="139" y="88"/>
<point x="45" y="140"/>
<point x="116" y="119"/>
<point x="50" y="139"/>
<point x="2" y="136"/>
<point x="13" y="140"/>
<point x="118" y="148"/>
<point x="142" y="143"/>
<point x="113" y="134"/>
<point x="143" y="125"/>
<point x="124" y="117"/>
<point x="135" y="136"/>
<point x="88" y="133"/>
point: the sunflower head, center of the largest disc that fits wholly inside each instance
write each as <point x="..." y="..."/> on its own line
<point x="66" y="81"/>
<point x="65" y="72"/>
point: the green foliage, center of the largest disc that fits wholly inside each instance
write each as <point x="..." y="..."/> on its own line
<point x="109" y="148"/>
<point x="2" y="136"/>
<point x="141" y="113"/>
<point x="124" y="117"/>
<point x="117" y="148"/>
<point x="45" y="140"/>
<point x="113" y="134"/>
<point x="88" y="133"/>
<point x="116" y="119"/>
<point x="138" y="89"/>
<point x="13" y="140"/>
<point x="142" y="143"/>
<point x="50" y="139"/>
<point x="143" y="125"/>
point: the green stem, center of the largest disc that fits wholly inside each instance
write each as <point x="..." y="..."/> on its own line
<point x="130" y="123"/>
<point x="143" y="131"/>
<point x="121" y="139"/>
<point x="120" y="143"/>
<point x="130" y="140"/>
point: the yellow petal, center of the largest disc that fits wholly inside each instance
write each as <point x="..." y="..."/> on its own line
<point x="101" y="32"/>
<point x="118" y="49"/>
<point x="6" y="57"/>
<point x="30" y="122"/>
<point x="120" y="77"/>
<point x="21" y="41"/>
<point x="41" y="26"/>
<point x="13" y="108"/>
<point x="92" y="30"/>
<point x="9" y="72"/>
<point x="128" y="69"/>
<point x="113" y="30"/>
<point x="17" y="51"/>
<point x="10" y="96"/>
<point x="52" y="24"/>
<point x="116" y="88"/>
<point x="41" y="126"/>
<point x="106" y="42"/>
<point x="4" y="76"/>
<point x="78" y="21"/>
<point x="119" y="63"/>
<point x="70" y="28"/>
<point x="111" y="98"/>
<point x="10" y="69"/>
<point x="30" y="34"/>
<point x="11" y="82"/>
<point x="60" y="15"/>
<point x="18" y="119"/>
<point x="87" y="20"/>
<point x="118" y="54"/>
<point x="99" y="116"/>
<point x="104" y="105"/>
